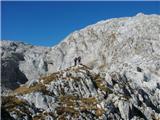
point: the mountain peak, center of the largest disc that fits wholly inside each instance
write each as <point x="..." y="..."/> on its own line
<point x="140" y="14"/>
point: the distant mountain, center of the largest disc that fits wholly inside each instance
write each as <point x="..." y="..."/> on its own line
<point x="119" y="77"/>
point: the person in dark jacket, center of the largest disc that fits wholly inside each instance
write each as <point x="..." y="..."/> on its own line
<point x="79" y="60"/>
<point x="75" y="61"/>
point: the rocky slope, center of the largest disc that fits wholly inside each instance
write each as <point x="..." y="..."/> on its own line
<point x="79" y="93"/>
<point x="119" y="78"/>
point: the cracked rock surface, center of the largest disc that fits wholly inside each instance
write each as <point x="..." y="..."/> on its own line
<point x="79" y="92"/>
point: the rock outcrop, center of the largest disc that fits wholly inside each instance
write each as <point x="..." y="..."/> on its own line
<point x="20" y="63"/>
<point x="78" y="93"/>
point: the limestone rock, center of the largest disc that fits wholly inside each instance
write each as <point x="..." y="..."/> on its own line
<point x="78" y="93"/>
<point x="111" y="45"/>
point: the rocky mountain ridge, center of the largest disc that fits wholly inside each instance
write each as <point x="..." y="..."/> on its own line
<point x="80" y="93"/>
<point x="119" y="77"/>
<point x="115" y="44"/>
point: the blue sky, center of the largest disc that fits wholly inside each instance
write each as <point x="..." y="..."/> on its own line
<point x="48" y="23"/>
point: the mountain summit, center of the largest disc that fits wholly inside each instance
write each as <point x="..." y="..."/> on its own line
<point x="119" y="77"/>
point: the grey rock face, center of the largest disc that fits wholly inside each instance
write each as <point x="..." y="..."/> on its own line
<point x="111" y="45"/>
<point x="11" y="77"/>
<point x="20" y="63"/>
<point x="114" y="44"/>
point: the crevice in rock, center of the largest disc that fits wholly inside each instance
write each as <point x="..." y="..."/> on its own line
<point x="147" y="100"/>
<point x="137" y="112"/>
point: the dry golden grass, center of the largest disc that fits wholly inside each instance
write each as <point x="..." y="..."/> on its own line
<point x="90" y="100"/>
<point x="84" y="104"/>
<point x="88" y="107"/>
<point x="67" y="98"/>
<point x="12" y="101"/>
<point x="82" y="67"/>
<point x="61" y="110"/>
<point x="85" y="67"/>
<point x="99" y="82"/>
<point x="99" y="112"/>
<point x="70" y="103"/>
<point x="38" y="117"/>
<point x="41" y="116"/>
<point x="102" y="86"/>
<point x="61" y="117"/>
<point x="25" y="90"/>
<point x="50" y="78"/>
<point x="96" y="76"/>
<point x="73" y="106"/>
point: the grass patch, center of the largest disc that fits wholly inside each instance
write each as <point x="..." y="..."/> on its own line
<point x="67" y="98"/>
<point x="96" y="76"/>
<point x="75" y="78"/>
<point x="38" y="117"/>
<point x="62" y="110"/>
<point x="100" y="84"/>
<point x="99" y="112"/>
<point x="11" y="101"/>
<point x="41" y="116"/>
<point x="26" y="90"/>
<point x="69" y="101"/>
<point x="61" y="117"/>
<point x="90" y="100"/>
<point x="50" y="78"/>
<point x="88" y="107"/>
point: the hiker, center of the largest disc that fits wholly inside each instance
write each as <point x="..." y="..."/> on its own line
<point x="75" y="61"/>
<point x="79" y="60"/>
